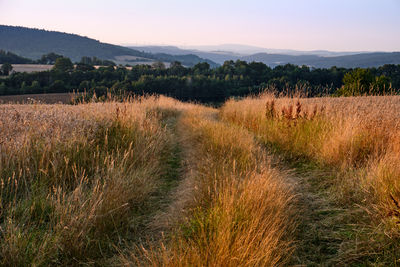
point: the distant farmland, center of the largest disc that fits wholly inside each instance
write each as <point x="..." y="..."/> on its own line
<point x="30" y="67"/>
<point x="63" y="98"/>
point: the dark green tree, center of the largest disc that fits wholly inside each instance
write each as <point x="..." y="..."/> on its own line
<point x="176" y="68"/>
<point x="201" y="68"/>
<point x="6" y="68"/>
<point x="35" y="87"/>
<point x="63" y="64"/>
<point x="57" y="87"/>
<point x="3" y="89"/>
<point x="49" y="58"/>
<point x="357" y="82"/>
<point x="381" y="85"/>
<point x="158" y="65"/>
<point x="84" y="67"/>
<point x="363" y="82"/>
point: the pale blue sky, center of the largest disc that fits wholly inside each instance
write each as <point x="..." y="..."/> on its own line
<point x="338" y="25"/>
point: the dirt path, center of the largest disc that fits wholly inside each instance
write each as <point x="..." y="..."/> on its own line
<point x="151" y="227"/>
<point x="324" y="229"/>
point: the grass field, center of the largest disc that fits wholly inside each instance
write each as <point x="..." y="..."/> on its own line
<point x="263" y="181"/>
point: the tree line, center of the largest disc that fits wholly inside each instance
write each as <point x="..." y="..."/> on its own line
<point x="201" y="82"/>
<point x="11" y="58"/>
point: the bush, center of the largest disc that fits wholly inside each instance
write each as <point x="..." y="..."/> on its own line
<point x="363" y="82"/>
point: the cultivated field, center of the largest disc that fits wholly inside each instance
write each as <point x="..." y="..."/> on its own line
<point x="156" y="182"/>
<point x="56" y="98"/>
<point x="31" y="67"/>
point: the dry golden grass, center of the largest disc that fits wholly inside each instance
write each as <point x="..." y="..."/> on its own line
<point x="99" y="183"/>
<point x="358" y="137"/>
<point x="75" y="178"/>
<point x="86" y="185"/>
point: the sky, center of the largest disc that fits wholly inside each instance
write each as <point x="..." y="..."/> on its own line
<point x="335" y="25"/>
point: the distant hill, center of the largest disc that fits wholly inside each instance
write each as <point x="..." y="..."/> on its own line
<point x="365" y="60"/>
<point x="247" y="50"/>
<point x="216" y="56"/>
<point x="30" y="43"/>
<point x="318" y="58"/>
<point x="33" y="43"/>
<point x="278" y="59"/>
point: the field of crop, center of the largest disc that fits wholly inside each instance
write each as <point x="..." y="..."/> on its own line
<point x="55" y="98"/>
<point x="31" y="67"/>
<point x="152" y="181"/>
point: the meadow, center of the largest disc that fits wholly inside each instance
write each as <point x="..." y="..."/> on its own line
<point x="151" y="181"/>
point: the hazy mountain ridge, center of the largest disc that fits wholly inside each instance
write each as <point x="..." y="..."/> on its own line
<point x="247" y="50"/>
<point x="317" y="58"/>
<point x="33" y="43"/>
<point x="365" y="60"/>
<point x="217" y="57"/>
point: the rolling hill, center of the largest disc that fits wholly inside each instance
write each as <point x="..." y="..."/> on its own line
<point x="218" y="57"/>
<point x="364" y="60"/>
<point x="33" y="43"/>
<point x="247" y="50"/>
<point x="274" y="57"/>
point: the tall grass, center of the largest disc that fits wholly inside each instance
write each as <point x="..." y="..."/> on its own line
<point x="232" y="209"/>
<point x="357" y="138"/>
<point x="75" y="180"/>
<point x="93" y="184"/>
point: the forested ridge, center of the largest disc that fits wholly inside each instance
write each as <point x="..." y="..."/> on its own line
<point x="33" y="43"/>
<point x="11" y="58"/>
